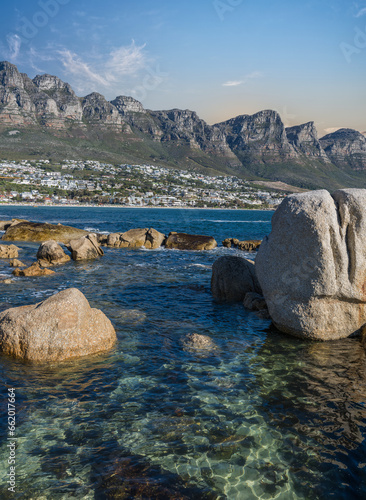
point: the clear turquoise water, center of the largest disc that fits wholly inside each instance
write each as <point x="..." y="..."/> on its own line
<point x="261" y="415"/>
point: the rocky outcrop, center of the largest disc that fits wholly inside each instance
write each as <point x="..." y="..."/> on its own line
<point x="258" y="137"/>
<point x="186" y="128"/>
<point x="37" y="231"/>
<point x="346" y="148"/>
<point x="85" y="248"/>
<point x="312" y="267"/>
<point x="97" y="110"/>
<point x="304" y="138"/>
<point x="246" y="245"/>
<point x="34" y="270"/>
<point x="61" y="327"/>
<point x="136" y="238"/>
<point x="183" y="241"/>
<point x="232" y="278"/>
<point x="50" y="253"/>
<point x="9" y="251"/>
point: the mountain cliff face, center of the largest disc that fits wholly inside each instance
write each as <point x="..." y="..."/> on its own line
<point x="260" y="137"/>
<point x="346" y="148"/>
<point x="304" y="139"/>
<point x="254" y="146"/>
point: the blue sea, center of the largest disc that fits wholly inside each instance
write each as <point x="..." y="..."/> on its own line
<point x="260" y="416"/>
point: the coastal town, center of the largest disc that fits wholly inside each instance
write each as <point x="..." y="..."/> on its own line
<point x="73" y="182"/>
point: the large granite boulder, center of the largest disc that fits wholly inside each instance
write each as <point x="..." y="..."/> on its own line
<point x="232" y="278"/>
<point x="39" y="231"/>
<point x="312" y="267"/>
<point x="61" y="327"/>
<point x="136" y="238"/>
<point x="50" y="253"/>
<point x="8" y="252"/>
<point x="183" y="241"/>
<point x="85" y="248"/>
<point x="34" y="270"/>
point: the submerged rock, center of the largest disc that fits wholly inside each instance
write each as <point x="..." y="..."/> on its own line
<point x="183" y="241"/>
<point x="232" y="278"/>
<point x="202" y="345"/>
<point x="50" y="253"/>
<point x="246" y="246"/>
<point x="85" y="248"/>
<point x="312" y="267"/>
<point x="254" y="301"/>
<point x="8" y="252"/>
<point x="37" y="231"/>
<point x="16" y="263"/>
<point x="34" y="270"/>
<point x="61" y="327"/>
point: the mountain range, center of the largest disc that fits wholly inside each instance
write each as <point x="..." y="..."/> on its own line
<point x="43" y="117"/>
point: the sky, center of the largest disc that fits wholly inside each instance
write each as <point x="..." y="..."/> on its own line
<point x="221" y="58"/>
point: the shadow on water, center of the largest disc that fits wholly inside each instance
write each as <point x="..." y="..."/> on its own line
<point x="314" y="394"/>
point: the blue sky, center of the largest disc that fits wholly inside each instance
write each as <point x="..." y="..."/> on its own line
<point x="221" y="58"/>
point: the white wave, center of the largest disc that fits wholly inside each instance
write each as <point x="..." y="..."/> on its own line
<point x="239" y="221"/>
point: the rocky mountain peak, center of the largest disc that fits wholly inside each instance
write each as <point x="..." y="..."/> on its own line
<point x="51" y="83"/>
<point x="126" y="104"/>
<point x="346" y="148"/>
<point x="10" y="76"/>
<point x="96" y="109"/>
<point x="304" y="138"/>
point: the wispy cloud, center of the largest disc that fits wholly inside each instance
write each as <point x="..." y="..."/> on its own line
<point x="125" y="61"/>
<point x="233" y="83"/>
<point x="74" y="65"/>
<point x="361" y="12"/>
<point x="14" y="43"/>
<point x="236" y="83"/>
<point x="118" y="71"/>
<point x="10" y="51"/>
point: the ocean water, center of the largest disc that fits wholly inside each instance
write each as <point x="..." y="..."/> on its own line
<point x="260" y="415"/>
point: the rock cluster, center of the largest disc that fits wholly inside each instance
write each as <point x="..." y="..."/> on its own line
<point x="136" y="238"/>
<point x="61" y="327"/>
<point x="34" y="270"/>
<point x="85" y="248"/>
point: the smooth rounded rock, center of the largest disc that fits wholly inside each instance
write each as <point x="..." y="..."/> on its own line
<point x="62" y="327"/>
<point x="50" y="253"/>
<point x="233" y="277"/>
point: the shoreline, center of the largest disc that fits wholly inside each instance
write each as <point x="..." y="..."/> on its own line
<point x="86" y="205"/>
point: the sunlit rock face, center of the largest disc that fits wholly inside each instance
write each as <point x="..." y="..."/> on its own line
<point x="312" y="267"/>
